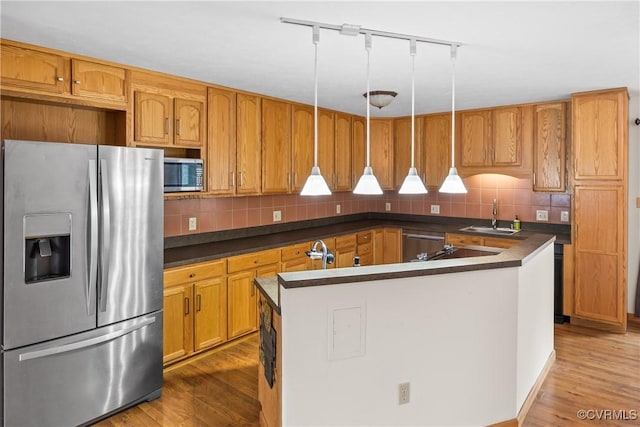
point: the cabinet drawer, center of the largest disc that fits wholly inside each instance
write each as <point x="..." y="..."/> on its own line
<point x="366" y="259"/>
<point x="294" y="252"/>
<point x="463" y="240"/>
<point x="253" y="260"/>
<point x="499" y="243"/>
<point x="365" y="249"/>
<point x="346" y="242"/>
<point x="364" y="237"/>
<point x="193" y="272"/>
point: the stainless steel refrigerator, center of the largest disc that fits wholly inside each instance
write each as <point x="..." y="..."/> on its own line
<point x="82" y="256"/>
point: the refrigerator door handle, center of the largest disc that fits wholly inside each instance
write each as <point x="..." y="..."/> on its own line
<point x="92" y="240"/>
<point x="85" y="343"/>
<point x="106" y="235"/>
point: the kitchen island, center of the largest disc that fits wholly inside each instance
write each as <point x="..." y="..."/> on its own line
<point x="473" y="338"/>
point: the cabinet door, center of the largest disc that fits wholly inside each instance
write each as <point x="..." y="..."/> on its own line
<point x="506" y="149"/>
<point x="189" y="123"/>
<point x="92" y="80"/>
<point x="345" y="250"/>
<point x="378" y="246"/>
<point x="210" y="312"/>
<point x="221" y="137"/>
<point x="276" y="146"/>
<point x="436" y="153"/>
<point x="463" y="239"/>
<point x="151" y="118"/>
<point x="599" y="129"/>
<point x="248" y="146"/>
<point x="358" y="148"/>
<point x="392" y="245"/>
<point x="402" y="148"/>
<point x="549" y="152"/>
<point x="475" y="134"/>
<point x="32" y="69"/>
<point x="241" y="304"/>
<point x="381" y="141"/>
<point x="177" y="323"/>
<point x="600" y="255"/>
<point x="302" y="145"/>
<point x="342" y="152"/>
<point x="326" y="146"/>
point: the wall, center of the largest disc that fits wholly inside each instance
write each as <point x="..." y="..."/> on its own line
<point x="633" y="233"/>
<point x="454" y="337"/>
<point x="514" y="197"/>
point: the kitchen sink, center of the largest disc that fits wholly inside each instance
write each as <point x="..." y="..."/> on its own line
<point x="490" y="230"/>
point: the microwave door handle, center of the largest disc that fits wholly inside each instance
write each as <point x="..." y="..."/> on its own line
<point x="92" y="239"/>
<point x="106" y="236"/>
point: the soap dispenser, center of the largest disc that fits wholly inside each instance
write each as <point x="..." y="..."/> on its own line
<point x="516" y="223"/>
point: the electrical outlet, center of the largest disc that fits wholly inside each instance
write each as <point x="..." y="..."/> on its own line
<point x="338" y="209"/>
<point x="193" y="223"/>
<point x="564" y="216"/>
<point x="435" y="209"/>
<point x="387" y="206"/>
<point x="403" y="393"/>
<point x="542" y="215"/>
<point x="277" y="216"/>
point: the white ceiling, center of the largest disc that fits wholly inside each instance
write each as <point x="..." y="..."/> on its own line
<point x="513" y="52"/>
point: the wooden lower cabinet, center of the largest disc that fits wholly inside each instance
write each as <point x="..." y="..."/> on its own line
<point x="195" y="309"/>
<point x="242" y="298"/>
<point x="294" y="257"/>
<point x="392" y="240"/>
<point x="345" y="250"/>
<point x="270" y="395"/>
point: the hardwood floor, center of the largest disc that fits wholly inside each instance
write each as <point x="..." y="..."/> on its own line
<point x="594" y="371"/>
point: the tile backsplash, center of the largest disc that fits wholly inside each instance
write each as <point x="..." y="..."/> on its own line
<point x="514" y="197"/>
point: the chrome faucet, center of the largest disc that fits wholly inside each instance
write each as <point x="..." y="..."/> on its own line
<point x="494" y="220"/>
<point x="325" y="254"/>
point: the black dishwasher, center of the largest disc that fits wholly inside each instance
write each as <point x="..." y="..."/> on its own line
<point x="558" y="316"/>
<point x="416" y="242"/>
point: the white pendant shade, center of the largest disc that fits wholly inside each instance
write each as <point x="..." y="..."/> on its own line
<point x="368" y="184"/>
<point x="453" y="183"/>
<point x="315" y="185"/>
<point x="412" y="184"/>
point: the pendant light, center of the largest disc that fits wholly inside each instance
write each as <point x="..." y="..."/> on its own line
<point x="412" y="184"/>
<point x="315" y="185"/>
<point x="368" y="184"/>
<point x="453" y="183"/>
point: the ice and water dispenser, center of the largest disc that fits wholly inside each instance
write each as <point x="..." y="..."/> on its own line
<point x="47" y="247"/>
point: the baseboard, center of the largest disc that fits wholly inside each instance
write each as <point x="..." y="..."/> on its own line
<point x="632" y="318"/>
<point x="531" y="397"/>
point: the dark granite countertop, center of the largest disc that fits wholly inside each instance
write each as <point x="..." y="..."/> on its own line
<point x="190" y="249"/>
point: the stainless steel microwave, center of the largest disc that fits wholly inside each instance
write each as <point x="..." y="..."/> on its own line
<point x="182" y="174"/>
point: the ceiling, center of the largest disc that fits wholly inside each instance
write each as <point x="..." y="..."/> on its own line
<point x="512" y="52"/>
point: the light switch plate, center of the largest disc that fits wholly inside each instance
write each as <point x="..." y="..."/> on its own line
<point x="277" y="216"/>
<point x="338" y="209"/>
<point x="542" y="215"/>
<point x="193" y="224"/>
<point x="564" y="216"/>
<point x="435" y="209"/>
<point x="387" y="206"/>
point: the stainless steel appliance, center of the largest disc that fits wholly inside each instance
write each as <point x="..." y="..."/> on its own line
<point x="81" y="262"/>
<point x="416" y="244"/>
<point x="182" y="174"/>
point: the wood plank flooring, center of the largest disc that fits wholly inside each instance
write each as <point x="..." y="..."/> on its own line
<point x="594" y="371"/>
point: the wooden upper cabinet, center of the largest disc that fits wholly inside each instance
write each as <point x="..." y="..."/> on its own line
<point x="160" y="119"/>
<point x="93" y="80"/>
<point x="436" y="153"/>
<point x="475" y="137"/>
<point x="549" y="147"/>
<point x="402" y="148"/>
<point x="189" y="123"/>
<point x="152" y="124"/>
<point x="342" y="152"/>
<point x="221" y="136"/>
<point x="326" y="138"/>
<point x="302" y="145"/>
<point x="381" y="141"/>
<point x="276" y="146"/>
<point x="507" y="136"/>
<point x="599" y="128"/>
<point x="358" y="148"/>
<point x="248" y="161"/>
<point x="33" y="69"/>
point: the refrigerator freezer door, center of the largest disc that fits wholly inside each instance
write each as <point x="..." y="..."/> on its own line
<point x="47" y="225"/>
<point x="131" y="230"/>
<point x="74" y="380"/>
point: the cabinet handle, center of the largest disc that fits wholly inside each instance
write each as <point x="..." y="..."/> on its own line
<point x="484" y="155"/>
<point x="534" y="178"/>
<point x="166" y="125"/>
<point x="233" y="178"/>
<point x="253" y="290"/>
<point x="255" y="261"/>
<point x="198" y="302"/>
<point x="186" y="305"/>
<point x="60" y="79"/>
<point x="178" y="127"/>
<point x="295" y="178"/>
<point x="192" y="275"/>
<point x="493" y="155"/>
<point x="77" y="82"/>
<point x="288" y="179"/>
<point x="240" y="183"/>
